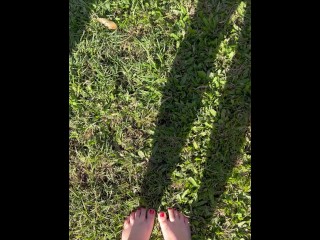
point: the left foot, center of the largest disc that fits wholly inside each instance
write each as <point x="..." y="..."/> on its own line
<point x="139" y="225"/>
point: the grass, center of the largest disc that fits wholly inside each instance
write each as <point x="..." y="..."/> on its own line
<point x="160" y="115"/>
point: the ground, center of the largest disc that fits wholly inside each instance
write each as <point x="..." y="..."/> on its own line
<point x="160" y="115"/>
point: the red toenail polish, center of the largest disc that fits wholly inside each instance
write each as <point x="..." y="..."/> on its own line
<point x="169" y="208"/>
<point x="151" y="211"/>
<point x="162" y="214"/>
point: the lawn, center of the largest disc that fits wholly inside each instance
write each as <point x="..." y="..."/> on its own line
<point x="159" y="115"/>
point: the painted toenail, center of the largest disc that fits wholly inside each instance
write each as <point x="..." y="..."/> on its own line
<point x="151" y="211"/>
<point x="162" y="214"/>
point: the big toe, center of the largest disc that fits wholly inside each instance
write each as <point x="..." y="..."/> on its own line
<point x="150" y="216"/>
<point x="162" y="218"/>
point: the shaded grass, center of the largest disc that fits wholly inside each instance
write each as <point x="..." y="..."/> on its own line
<point x="156" y="95"/>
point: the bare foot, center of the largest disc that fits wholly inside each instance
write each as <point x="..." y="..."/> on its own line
<point x="139" y="225"/>
<point x="176" y="227"/>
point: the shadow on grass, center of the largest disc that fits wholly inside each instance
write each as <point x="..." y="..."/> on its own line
<point x="181" y="102"/>
<point x="79" y="13"/>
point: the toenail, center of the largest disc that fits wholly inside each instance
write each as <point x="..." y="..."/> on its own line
<point x="151" y="211"/>
<point x="162" y="214"/>
<point x="169" y="208"/>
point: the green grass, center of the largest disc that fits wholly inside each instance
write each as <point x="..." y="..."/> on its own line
<point x="160" y="115"/>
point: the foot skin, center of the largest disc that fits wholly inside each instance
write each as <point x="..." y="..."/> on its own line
<point x="176" y="227"/>
<point x="139" y="225"/>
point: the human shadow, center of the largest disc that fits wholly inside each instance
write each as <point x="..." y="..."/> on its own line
<point x="79" y="13"/>
<point x="182" y="96"/>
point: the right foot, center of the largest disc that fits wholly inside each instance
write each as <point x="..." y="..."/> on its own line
<point x="138" y="226"/>
<point x="176" y="227"/>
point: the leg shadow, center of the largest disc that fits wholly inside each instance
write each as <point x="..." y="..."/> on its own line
<point x="227" y="142"/>
<point x="182" y="97"/>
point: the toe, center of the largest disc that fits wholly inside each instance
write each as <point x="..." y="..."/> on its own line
<point x="177" y="214"/>
<point x="186" y="220"/>
<point x="150" y="216"/>
<point x="126" y="223"/>
<point x="137" y="214"/>
<point x="132" y="218"/>
<point x="143" y="213"/>
<point x="162" y="218"/>
<point x="171" y="213"/>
